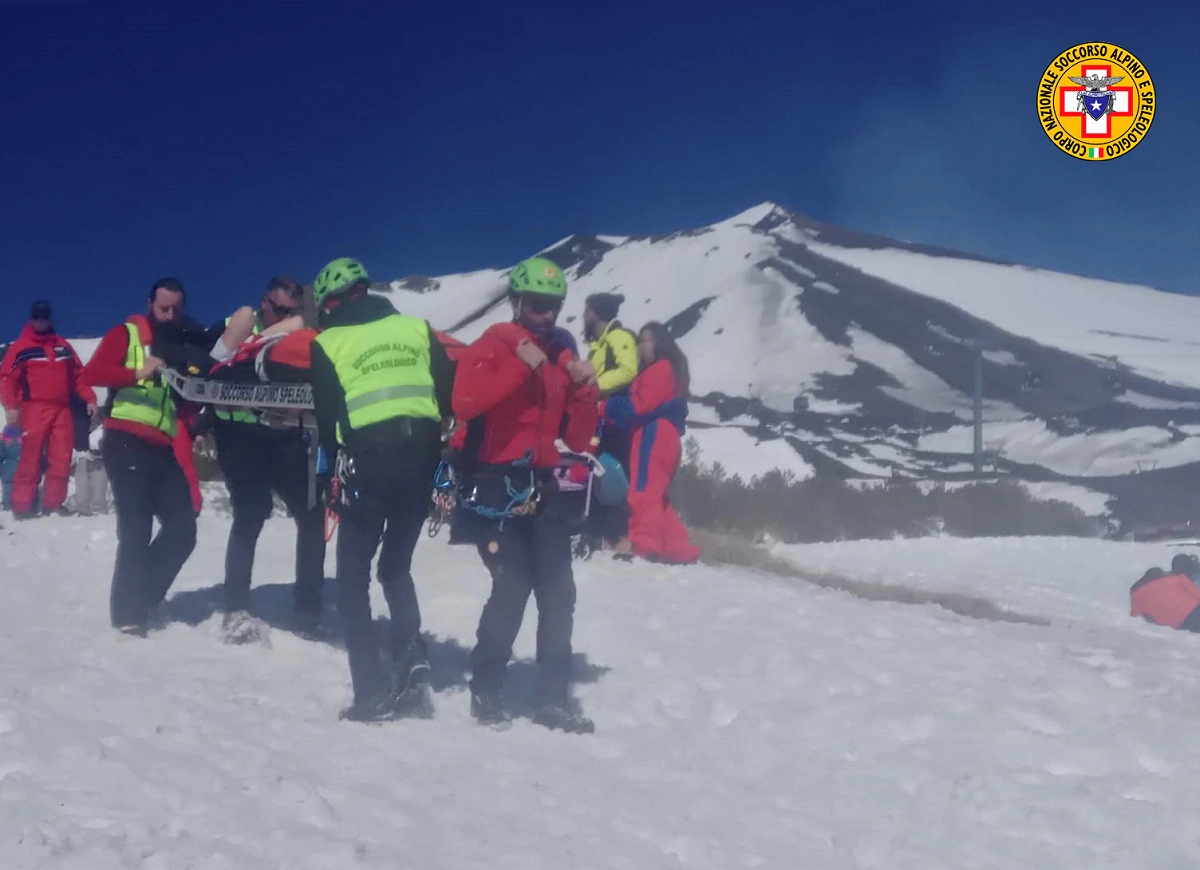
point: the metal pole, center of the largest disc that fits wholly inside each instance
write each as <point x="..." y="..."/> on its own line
<point x="978" y="412"/>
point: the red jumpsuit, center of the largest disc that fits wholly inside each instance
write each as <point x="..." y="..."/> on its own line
<point x="656" y="413"/>
<point x="38" y="376"/>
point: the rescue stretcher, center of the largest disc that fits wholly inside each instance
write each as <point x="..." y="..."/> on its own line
<point x="291" y="404"/>
<point x="294" y="397"/>
<point x="282" y="405"/>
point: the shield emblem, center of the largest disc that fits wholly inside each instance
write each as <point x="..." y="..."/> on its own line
<point x="1098" y="104"/>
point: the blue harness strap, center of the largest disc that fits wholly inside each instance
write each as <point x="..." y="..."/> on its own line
<point x="521" y="502"/>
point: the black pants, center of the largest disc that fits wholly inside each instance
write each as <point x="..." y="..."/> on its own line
<point x="394" y="516"/>
<point x="1192" y="623"/>
<point x="257" y="461"/>
<point x="533" y="555"/>
<point x="147" y="482"/>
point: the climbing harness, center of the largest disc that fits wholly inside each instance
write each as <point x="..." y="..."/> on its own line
<point x="442" y="499"/>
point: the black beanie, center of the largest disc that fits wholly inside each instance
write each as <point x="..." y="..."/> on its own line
<point x="606" y="305"/>
<point x="1185" y="563"/>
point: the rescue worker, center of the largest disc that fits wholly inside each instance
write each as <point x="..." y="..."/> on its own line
<point x="146" y="480"/>
<point x="612" y="351"/>
<point x="1172" y="600"/>
<point x="517" y="387"/>
<point x="655" y="410"/>
<point x="381" y="387"/>
<point x="256" y="460"/>
<point x="39" y="377"/>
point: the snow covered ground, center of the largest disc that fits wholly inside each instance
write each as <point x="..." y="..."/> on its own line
<point x="1073" y="581"/>
<point x="742" y="721"/>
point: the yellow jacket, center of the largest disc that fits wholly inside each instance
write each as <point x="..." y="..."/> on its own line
<point x="614" y="357"/>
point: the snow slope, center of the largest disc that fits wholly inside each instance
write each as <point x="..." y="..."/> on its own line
<point x="859" y="349"/>
<point x="1072" y="581"/>
<point x="1080" y="455"/>
<point x="741" y="722"/>
<point x="1151" y="332"/>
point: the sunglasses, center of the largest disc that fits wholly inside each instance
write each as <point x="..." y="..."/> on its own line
<point x="40" y="317"/>
<point x="284" y="310"/>
<point x="541" y="306"/>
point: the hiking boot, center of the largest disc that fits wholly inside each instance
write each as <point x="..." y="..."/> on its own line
<point x="377" y="707"/>
<point x="558" y="717"/>
<point x="412" y="667"/>
<point x="307" y="623"/>
<point x="488" y="709"/>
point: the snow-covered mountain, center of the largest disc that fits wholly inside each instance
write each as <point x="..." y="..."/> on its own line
<point x="820" y="350"/>
<point x="816" y="349"/>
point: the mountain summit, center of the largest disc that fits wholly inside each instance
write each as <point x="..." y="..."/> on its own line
<point x="817" y="349"/>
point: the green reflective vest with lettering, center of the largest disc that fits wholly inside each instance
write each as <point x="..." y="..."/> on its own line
<point x="239" y="415"/>
<point x="383" y="367"/>
<point x="147" y="402"/>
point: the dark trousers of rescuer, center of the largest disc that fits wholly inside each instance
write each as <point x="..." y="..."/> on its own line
<point x="388" y="517"/>
<point x="530" y="555"/>
<point x="147" y="484"/>
<point x="257" y="462"/>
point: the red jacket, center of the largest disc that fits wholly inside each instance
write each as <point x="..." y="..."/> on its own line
<point x="454" y="347"/>
<point x="185" y="452"/>
<point x="1166" y="600"/>
<point x="106" y="368"/>
<point x="522" y="409"/>
<point x="42" y="368"/>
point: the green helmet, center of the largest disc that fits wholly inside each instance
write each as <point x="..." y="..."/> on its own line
<point x="338" y="277"/>
<point x="538" y="275"/>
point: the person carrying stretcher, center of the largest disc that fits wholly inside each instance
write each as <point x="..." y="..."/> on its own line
<point x="260" y="457"/>
<point x="381" y="386"/>
<point x="517" y="387"/>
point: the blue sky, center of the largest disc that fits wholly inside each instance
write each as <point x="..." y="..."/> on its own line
<point x="228" y="142"/>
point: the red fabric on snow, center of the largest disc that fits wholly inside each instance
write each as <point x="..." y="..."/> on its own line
<point x="1169" y="600"/>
